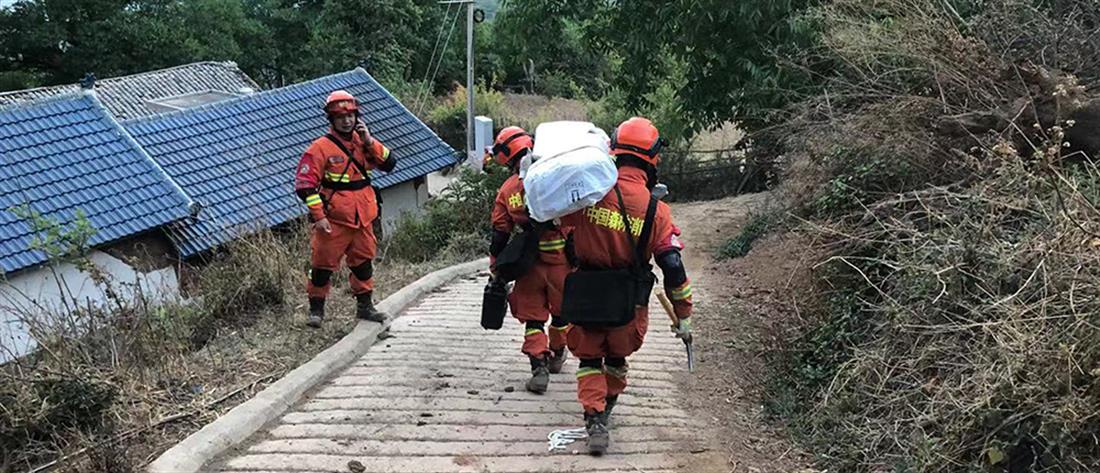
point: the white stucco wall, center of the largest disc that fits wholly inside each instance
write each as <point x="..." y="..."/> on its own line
<point x="407" y="197"/>
<point x="40" y="295"/>
<point x="437" y="181"/>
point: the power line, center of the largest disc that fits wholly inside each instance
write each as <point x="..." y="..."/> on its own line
<point x="433" y="69"/>
<point x="435" y="47"/>
<point x="439" y="62"/>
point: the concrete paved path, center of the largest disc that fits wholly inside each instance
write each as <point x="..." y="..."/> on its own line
<point x="444" y="395"/>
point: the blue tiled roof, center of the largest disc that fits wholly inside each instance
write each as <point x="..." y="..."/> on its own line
<point x="236" y="158"/>
<point x="67" y="153"/>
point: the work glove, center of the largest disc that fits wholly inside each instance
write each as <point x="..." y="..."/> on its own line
<point x="683" y="329"/>
<point x="322" y="225"/>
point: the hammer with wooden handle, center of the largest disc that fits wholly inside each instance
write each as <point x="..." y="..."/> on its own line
<point x="667" y="304"/>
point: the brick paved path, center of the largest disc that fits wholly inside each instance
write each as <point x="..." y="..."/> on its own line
<point x="435" y="398"/>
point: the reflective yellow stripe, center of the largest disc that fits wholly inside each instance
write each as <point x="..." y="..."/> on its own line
<point x="560" y="329"/>
<point x="385" y="153"/>
<point x="313" y="200"/>
<point x="588" y="372"/>
<point x="531" y="331"/>
<point x="680" y="294"/>
<point x="334" y="177"/>
<point x="552" y="245"/>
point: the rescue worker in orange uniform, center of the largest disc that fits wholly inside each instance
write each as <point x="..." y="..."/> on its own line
<point x="536" y="296"/>
<point x="598" y="241"/>
<point x="333" y="179"/>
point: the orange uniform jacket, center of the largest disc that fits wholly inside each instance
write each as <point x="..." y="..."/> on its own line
<point x="599" y="240"/>
<point x="510" y="211"/>
<point x="324" y="163"/>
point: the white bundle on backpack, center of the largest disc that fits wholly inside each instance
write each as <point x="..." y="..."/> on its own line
<point x="570" y="169"/>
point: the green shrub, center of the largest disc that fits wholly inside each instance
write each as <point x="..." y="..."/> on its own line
<point x="859" y="177"/>
<point x="609" y="111"/>
<point x="558" y="84"/>
<point x="448" y="119"/>
<point x="740" y="245"/>
<point x="461" y="214"/>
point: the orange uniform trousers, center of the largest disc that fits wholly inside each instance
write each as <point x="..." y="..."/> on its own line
<point x="535" y="297"/>
<point x="596" y="384"/>
<point x="357" y="244"/>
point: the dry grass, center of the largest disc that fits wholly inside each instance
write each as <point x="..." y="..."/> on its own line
<point x="960" y="331"/>
<point x="528" y="111"/>
<point x="727" y="136"/>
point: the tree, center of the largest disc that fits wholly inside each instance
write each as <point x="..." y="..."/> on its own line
<point x="45" y="42"/>
<point x="59" y="41"/>
<point x="552" y="41"/>
<point x="735" y="54"/>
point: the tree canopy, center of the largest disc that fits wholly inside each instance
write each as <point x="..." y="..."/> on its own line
<point x="699" y="62"/>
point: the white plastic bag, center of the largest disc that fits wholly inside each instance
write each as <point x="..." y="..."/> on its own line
<point x="570" y="169"/>
<point x="556" y="138"/>
<point x="553" y="139"/>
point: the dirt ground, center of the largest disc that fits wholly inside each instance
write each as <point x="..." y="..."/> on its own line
<point x="740" y="305"/>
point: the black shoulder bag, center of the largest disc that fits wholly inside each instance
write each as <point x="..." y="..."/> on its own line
<point x="609" y="297"/>
<point x="519" y="255"/>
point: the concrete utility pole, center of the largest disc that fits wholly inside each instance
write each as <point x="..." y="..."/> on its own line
<point x="471" y="153"/>
<point x="470" y="80"/>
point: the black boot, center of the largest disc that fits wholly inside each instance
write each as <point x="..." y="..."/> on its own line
<point x="540" y="376"/>
<point x="316" y="311"/>
<point x="364" y="308"/>
<point x="557" y="360"/>
<point x="609" y="404"/>
<point x="598" y="437"/>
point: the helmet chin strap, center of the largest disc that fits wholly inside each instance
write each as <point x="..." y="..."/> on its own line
<point x="651" y="177"/>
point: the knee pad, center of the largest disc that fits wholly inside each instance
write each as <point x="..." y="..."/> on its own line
<point x="558" y="322"/>
<point x="611" y="361"/>
<point x="591" y="363"/>
<point x="616" y="367"/>
<point x="535" y="326"/>
<point x="363" y="271"/>
<point x="320" y="277"/>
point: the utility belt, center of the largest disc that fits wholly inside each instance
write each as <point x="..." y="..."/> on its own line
<point x="346" y="186"/>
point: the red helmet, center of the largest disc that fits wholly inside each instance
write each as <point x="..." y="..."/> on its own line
<point x="638" y="137"/>
<point x="510" y="144"/>
<point x="340" y="102"/>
